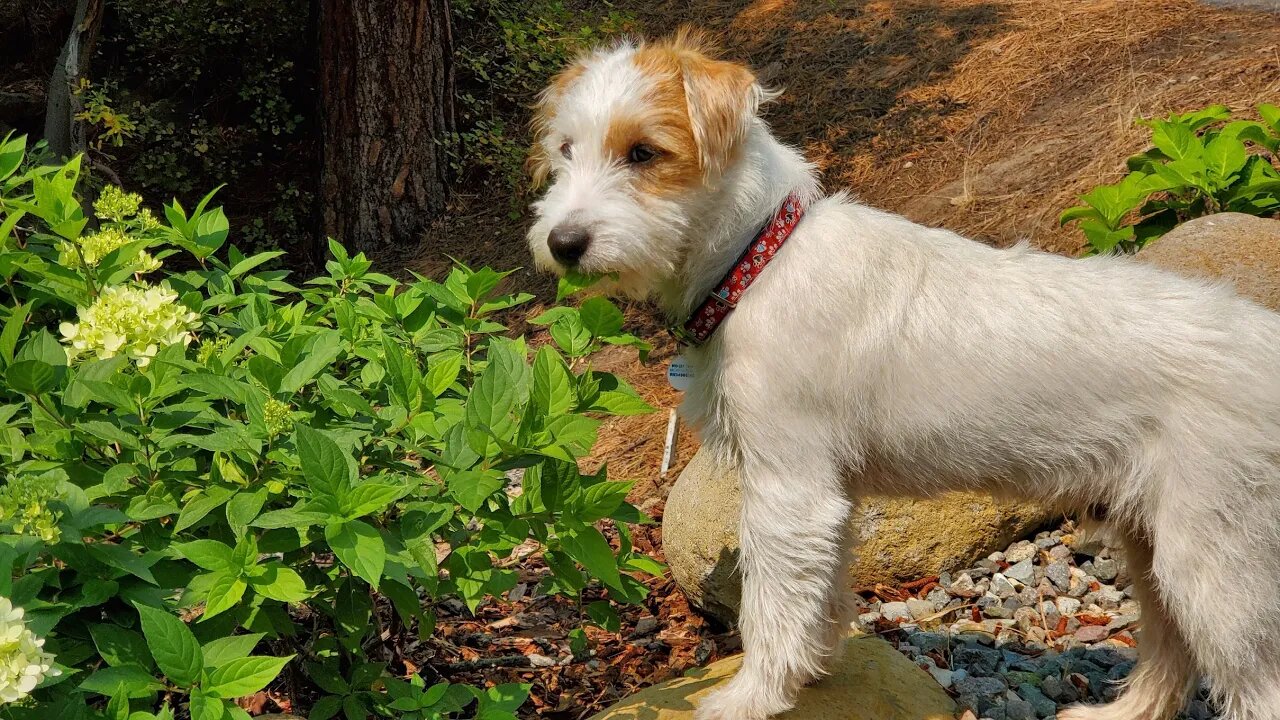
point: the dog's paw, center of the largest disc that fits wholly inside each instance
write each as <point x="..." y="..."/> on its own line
<point x="735" y="702"/>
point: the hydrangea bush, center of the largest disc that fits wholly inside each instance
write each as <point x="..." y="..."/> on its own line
<point x="212" y="477"/>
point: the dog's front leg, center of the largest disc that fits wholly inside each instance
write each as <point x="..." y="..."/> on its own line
<point x="793" y="533"/>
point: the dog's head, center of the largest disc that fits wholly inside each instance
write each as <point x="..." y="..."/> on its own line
<point x="634" y="139"/>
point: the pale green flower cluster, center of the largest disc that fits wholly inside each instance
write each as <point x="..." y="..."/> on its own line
<point x="95" y="246"/>
<point x="23" y="662"/>
<point x="131" y="321"/>
<point x="210" y="348"/>
<point x="116" y="204"/>
<point x="24" y="502"/>
<point x="278" y="417"/>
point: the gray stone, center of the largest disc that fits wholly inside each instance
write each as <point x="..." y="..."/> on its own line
<point x="1059" y="573"/>
<point x="965" y="587"/>
<point x="978" y="660"/>
<point x="1059" y="690"/>
<point x="938" y="595"/>
<point x="895" y="611"/>
<point x="1106" y="569"/>
<point x="1019" y="551"/>
<point x="1067" y="605"/>
<point x="1001" y="587"/>
<point x="1016" y="708"/>
<point x="1023" y="572"/>
<point x="920" y="609"/>
<point x="1044" y="707"/>
<point x="979" y="686"/>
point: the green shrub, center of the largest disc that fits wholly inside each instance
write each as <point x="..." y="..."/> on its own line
<point x="1200" y="164"/>
<point x="506" y="52"/>
<point x="212" y="476"/>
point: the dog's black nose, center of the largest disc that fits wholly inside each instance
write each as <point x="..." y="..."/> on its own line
<point x="568" y="243"/>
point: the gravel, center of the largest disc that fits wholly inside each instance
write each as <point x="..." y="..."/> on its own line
<point x="1025" y="632"/>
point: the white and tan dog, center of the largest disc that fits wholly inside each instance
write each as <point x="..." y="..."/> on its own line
<point x="878" y="356"/>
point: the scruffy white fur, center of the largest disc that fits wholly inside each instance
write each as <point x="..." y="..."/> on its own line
<point x="877" y="356"/>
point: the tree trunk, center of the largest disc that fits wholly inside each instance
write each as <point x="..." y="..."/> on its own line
<point x="64" y="133"/>
<point x="386" y="76"/>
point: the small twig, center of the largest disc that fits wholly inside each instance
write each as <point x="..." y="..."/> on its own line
<point x="484" y="663"/>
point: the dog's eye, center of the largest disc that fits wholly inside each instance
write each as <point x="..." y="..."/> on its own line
<point x="641" y="153"/>
<point x="566" y="149"/>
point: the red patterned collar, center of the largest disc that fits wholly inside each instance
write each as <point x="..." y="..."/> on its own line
<point x="724" y="298"/>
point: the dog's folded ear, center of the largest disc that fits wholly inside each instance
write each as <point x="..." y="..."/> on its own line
<point x="723" y="98"/>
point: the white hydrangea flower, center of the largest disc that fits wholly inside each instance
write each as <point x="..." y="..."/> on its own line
<point x="132" y="321"/>
<point x="23" y="664"/>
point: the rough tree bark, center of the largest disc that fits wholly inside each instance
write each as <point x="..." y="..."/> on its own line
<point x="386" y="75"/>
<point x="64" y="133"/>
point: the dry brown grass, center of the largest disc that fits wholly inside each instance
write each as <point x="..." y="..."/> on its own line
<point x="988" y="117"/>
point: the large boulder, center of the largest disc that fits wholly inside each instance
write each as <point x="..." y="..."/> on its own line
<point x="872" y="681"/>
<point x="1242" y="249"/>
<point x="901" y="539"/>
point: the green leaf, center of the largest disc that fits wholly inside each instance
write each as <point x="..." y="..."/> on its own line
<point x="603" y="614"/>
<point x="471" y="488"/>
<point x="223" y="650"/>
<point x="217" y="386"/>
<point x="12" y="328"/>
<point x="325" y="348"/>
<point x="243" y="508"/>
<point x="291" y="518"/>
<point x="224" y="593"/>
<point x="589" y="548"/>
<point x="359" y="546"/>
<point x="553" y="392"/>
<point x="252" y="262"/>
<point x="280" y="583"/>
<point x="600" y="317"/>
<point x="1271" y="114"/>
<point x="211" y="230"/>
<point x="172" y="644"/>
<point x="1225" y="156"/>
<point x="323" y="462"/>
<point x="371" y="497"/>
<point x="243" y="676"/>
<point x="208" y="554"/>
<point x="32" y="377"/>
<point x="573" y="282"/>
<point x="12" y="151"/>
<point x="119" y="646"/>
<point x="205" y="707"/>
<point x="442" y="371"/>
<point x="1176" y="140"/>
<point x="493" y="401"/>
<point x="201" y="504"/>
<point x="571" y="335"/>
<point x="137" y="682"/>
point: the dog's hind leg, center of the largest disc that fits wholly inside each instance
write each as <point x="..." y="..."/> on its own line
<point x="1216" y="561"/>
<point x="793" y="530"/>
<point x="1162" y="680"/>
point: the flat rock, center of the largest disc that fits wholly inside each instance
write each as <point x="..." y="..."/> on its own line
<point x="901" y="539"/>
<point x="1241" y="249"/>
<point x="873" y="681"/>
